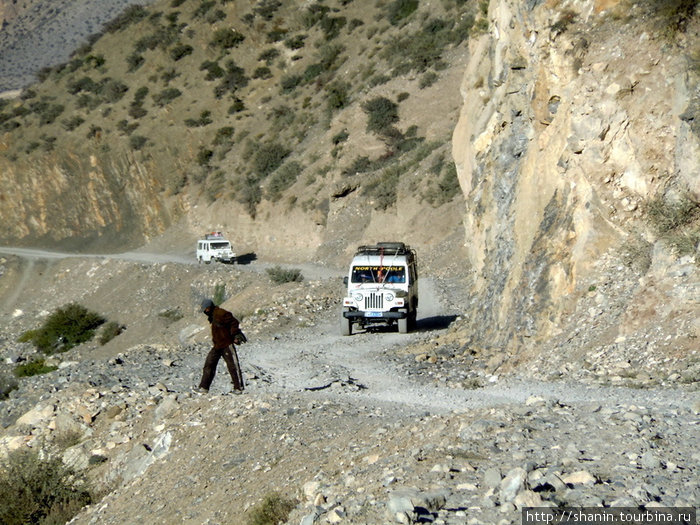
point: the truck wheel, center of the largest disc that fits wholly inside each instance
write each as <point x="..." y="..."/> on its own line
<point x="412" y="321"/>
<point x="345" y="325"/>
<point x="403" y="324"/>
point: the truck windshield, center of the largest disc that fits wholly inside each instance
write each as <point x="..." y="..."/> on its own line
<point x="220" y="245"/>
<point x="378" y="274"/>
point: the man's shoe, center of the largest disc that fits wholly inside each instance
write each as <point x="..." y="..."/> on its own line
<point x="237" y="391"/>
<point x="201" y="390"/>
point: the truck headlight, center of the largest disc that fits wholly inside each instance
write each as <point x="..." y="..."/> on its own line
<point x="358" y="297"/>
<point x="389" y="297"/>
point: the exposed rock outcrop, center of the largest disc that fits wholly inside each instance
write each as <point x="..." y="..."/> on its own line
<point x="568" y="126"/>
<point x="72" y="201"/>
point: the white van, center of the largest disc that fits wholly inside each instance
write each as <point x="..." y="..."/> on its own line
<point x="382" y="288"/>
<point x="215" y="247"/>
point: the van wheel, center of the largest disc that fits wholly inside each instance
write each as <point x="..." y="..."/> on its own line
<point x="345" y="325"/>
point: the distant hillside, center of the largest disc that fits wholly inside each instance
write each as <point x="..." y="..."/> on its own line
<point x="38" y="34"/>
<point x="254" y="108"/>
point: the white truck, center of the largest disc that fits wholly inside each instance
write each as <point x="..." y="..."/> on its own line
<point x="382" y="288"/>
<point x="215" y="247"/>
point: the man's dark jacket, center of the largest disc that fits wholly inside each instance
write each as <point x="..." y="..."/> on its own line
<point x="223" y="326"/>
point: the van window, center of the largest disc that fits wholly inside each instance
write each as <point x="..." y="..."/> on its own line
<point x="378" y="274"/>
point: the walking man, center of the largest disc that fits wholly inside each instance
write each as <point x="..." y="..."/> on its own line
<point x="223" y="328"/>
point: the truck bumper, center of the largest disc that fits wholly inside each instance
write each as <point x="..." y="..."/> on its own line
<point x="354" y="314"/>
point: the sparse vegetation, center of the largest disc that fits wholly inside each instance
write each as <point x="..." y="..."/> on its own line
<point x="109" y="331"/>
<point x="280" y="275"/>
<point x="282" y="179"/>
<point x="219" y="293"/>
<point x="166" y="96"/>
<point x="87" y="94"/>
<point x="273" y="509"/>
<point x="677" y="221"/>
<point x="65" y="328"/>
<point x="41" y="491"/>
<point x="171" y="315"/>
<point x="34" y="367"/>
<point x="226" y="38"/>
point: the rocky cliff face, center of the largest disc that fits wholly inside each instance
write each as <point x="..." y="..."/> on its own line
<point x="572" y="120"/>
<point x="72" y="201"/>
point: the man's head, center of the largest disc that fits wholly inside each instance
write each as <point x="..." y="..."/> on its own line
<point x="207" y="305"/>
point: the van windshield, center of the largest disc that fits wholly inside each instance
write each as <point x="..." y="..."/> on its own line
<point x="378" y="274"/>
<point x="220" y="245"/>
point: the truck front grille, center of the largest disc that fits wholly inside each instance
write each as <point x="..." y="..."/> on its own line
<point x="374" y="301"/>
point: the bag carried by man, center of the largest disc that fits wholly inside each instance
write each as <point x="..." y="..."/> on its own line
<point x="239" y="337"/>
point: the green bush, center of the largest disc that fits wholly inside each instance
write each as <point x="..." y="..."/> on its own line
<point x="282" y="179"/>
<point x="677" y="221"/>
<point x="134" y="61"/>
<point x="249" y="194"/>
<point x="65" y="328"/>
<point x="262" y="72"/>
<point x="39" y="491"/>
<point x="203" y="8"/>
<point x="136" y="111"/>
<point x="295" y="42"/>
<point x="422" y="49"/>
<point x="33" y="368"/>
<point x="359" y="165"/>
<point x="203" y="120"/>
<point x="226" y="38"/>
<point x="110" y="330"/>
<point x="166" y="96"/>
<point x="290" y="82"/>
<point x="233" y="79"/>
<point x="331" y="26"/>
<point x="280" y="275"/>
<point x="213" y="69"/>
<point x="219" y="293"/>
<point x="269" y="157"/>
<point x="428" y="79"/>
<point x="82" y="84"/>
<point x="224" y="136"/>
<point x="269" y="55"/>
<point x="384" y="189"/>
<point x="382" y="113"/>
<point x="171" y="315"/>
<point x="667" y="215"/>
<point x="337" y="95"/>
<point x="273" y="509"/>
<point x="48" y="113"/>
<point x="149" y="42"/>
<point x="137" y="142"/>
<point x="71" y="123"/>
<point x="140" y="95"/>
<point x="129" y="16"/>
<point x="400" y="9"/>
<point x="180" y="51"/>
